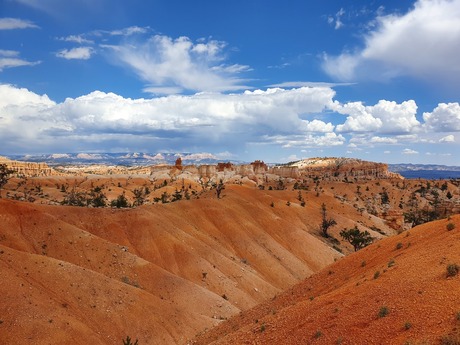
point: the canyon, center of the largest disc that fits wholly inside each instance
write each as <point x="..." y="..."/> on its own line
<point x="180" y="264"/>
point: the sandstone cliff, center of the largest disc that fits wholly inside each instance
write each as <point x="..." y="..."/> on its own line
<point x="28" y="169"/>
<point x="342" y="168"/>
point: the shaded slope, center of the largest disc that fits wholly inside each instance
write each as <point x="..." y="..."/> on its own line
<point x="341" y="304"/>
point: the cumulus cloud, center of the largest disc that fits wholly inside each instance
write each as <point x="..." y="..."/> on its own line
<point x="170" y="122"/>
<point x="422" y="43"/>
<point x="10" y="59"/>
<point x="283" y="118"/>
<point x="444" y="118"/>
<point x="169" y="64"/>
<point x="447" y="139"/>
<point x="306" y="141"/>
<point x="15" y="23"/>
<point x="384" y="140"/>
<point x="384" y="117"/>
<point x="79" y="53"/>
<point x="409" y="152"/>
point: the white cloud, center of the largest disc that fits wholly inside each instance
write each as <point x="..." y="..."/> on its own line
<point x="318" y="126"/>
<point x="125" y="32"/>
<point x="8" y="53"/>
<point x="447" y="139"/>
<point x="341" y="67"/>
<point x="10" y="59"/>
<point x="200" y="120"/>
<point x="80" y="39"/>
<point x="281" y="118"/>
<point x="180" y="64"/>
<point x="306" y="141"/>
<point x="79" y="53"/>
<point x="384" y="117"/>
<point x="444" y="118"/>
<point x="384" y="140"/>
<point x="422" y="43"/>
<point x="336" y="20"/>
<point x="71" y="10"/>
<point x="409" y="152"/>
<point x="15" y="23"/>
<point x="295" y="84"/>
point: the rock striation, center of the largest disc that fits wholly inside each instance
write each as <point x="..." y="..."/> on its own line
<point x="28" y="169"/>
<point x="331" y="169"/>
<point x="342" y="169"/>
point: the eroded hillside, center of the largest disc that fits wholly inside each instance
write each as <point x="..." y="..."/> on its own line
<point x="401" y="290"/>
<point x="161" y="257"/>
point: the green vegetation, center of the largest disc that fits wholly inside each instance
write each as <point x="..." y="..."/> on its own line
<point x="450" y="226"/>
<point x="120" y="202"/>
<point x="451" y="339"/>
<point x="219" y="188"/>
<point x="4" y="176"/>
<point x="326" y="222"/>
<point x="358" y="239"/>
<point x="383" y="311"/>
<point x="318" y="334"/>
<point x="452" y="270"/>
<point x="127" y="341"/>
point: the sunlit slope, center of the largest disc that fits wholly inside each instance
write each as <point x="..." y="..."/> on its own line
<point x="161" y="273"/>
<point x="397" y="291"/>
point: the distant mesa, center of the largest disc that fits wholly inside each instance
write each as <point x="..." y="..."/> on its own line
<point x="329" y="168"/>
<point x="30" y="169"/>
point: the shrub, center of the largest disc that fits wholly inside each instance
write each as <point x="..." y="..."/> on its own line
<point x="451" y="339"/>
<point x="326" y="222"/>
<point x="407" y="326"/>
<point x="128" y="341"/>
<point x="318" y="334"/>
<point x="376" y="274"/>
<point x="399" y="245"/>
<point x="450" y="226"/>
<point x="358" y="239"/>
<point x="452" y="270"/>
<point x="383" y="311"/>
<point x="120" y="202"/>
<point x="391" y="263"/>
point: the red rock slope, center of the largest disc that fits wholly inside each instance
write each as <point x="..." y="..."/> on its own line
<point x="395" y="291"/>
<point x="159" y="273"/>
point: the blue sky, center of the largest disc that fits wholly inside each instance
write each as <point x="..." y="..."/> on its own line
<point x="270" y="80"/>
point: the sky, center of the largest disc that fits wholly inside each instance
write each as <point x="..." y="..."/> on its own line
<point x="243" y="80"/>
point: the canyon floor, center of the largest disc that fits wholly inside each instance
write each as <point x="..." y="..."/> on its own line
<point x="250" y="267"/>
